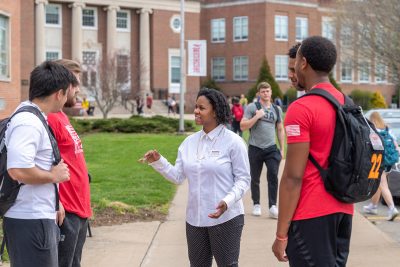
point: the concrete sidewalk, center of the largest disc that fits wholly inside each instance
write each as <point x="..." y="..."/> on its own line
<point x="155" y="244"/>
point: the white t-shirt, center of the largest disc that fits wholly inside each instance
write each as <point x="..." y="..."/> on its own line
<point x="28" y="145"/>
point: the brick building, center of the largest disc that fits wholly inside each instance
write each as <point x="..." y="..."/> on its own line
<point x="10" y="53"/>
<point x="143" y="35"/>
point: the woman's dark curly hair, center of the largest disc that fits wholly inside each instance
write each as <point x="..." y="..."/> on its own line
<point x="219" y="104"/>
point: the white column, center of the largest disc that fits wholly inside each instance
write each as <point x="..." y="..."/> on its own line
<point x="145" y="51"/>
<point x="77" y="31"/>
<point x="111" y="29"/>
<point x="40" y="44"/>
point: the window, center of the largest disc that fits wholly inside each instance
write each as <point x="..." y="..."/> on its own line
<point x="240" y="28"/>
<point x="301" y="29"/>
<point x="4" y="48"/>
<point x="240" y="68"/>
<point x="89" y="18"/>
<point x="52" y="55"/>
<point x="175" y="23"/>
<point x="363" y="72"/>
<point x="53" y="15"/>
<point x="281" y="28"/>
<point x="89" y="73"/>
<point x="328" y="29"/>
<point x="123" y="20"/>
<point x="347" y="71"/>
<point x="123" y="68"/>
<point x="175" y="68"/>
<point x="218" y="68"/>
<point x="345" y="36"/>
<point x="217" y="30"/>
<point x="281" y="67"/>
<point x="380" y="72"/>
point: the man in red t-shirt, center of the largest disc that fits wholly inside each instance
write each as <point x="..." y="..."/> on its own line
<point x="74" y="194"/>
<point x="314" y="228"/>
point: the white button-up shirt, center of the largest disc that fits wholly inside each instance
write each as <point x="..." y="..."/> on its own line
<point x="217" y="168"/>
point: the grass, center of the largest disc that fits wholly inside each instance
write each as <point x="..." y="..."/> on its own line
<point x="117" y="177"/>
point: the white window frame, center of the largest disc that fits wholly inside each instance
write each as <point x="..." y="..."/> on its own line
<point x="221" y="30"/>
<point x="281" y="32"/>
<point x="172" y="25"/>
<point x="215" y="74"/>
<point x="281" y="67"/>
<point x="302" y="26"/>
<point x="238" y="25"/>
<point x="328" y="29"/>
<point x="59" y="25"/>
<point x="54" y="51"/>
<point x="361" y="66"/>
<point x="128" y="21"/>
<point x="377" y="78"/>
<point x="346" y="61"/>
<point x="243" y="75"/>
<point x="172" y="87"/>
<point x="7" y="49"/>
<point x="95" y="18"/>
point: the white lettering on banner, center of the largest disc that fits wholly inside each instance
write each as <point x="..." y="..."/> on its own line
<point x="197" y="58"/>
<point x="292" y="130"/>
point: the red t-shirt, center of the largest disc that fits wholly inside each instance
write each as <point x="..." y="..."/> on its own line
<point x="75" y="193"/>
<point x="312" y="119"/>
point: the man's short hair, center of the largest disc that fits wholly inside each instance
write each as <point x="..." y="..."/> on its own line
<point x="48" y="78"/>
<point x="320" y="53"/>
<point x="263" y="85"/>
<point x="72" y="65"/>
<point x="293" y="50"/>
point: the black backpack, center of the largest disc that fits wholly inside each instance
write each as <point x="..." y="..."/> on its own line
<point x="9" y="188"/>
<point x="355" y="167"/>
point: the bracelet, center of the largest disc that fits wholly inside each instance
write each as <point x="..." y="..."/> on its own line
<point x="281" y="239"/>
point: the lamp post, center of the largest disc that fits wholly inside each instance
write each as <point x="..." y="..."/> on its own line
<point x="183" y="76"/>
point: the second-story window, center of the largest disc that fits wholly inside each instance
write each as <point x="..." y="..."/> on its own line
<point x="281" y="28"/>
<point x="380" y="72"/>
<point x="328" y="28"/>
<point x="240" y="68"/>
<point x="4" y="47"/>
<point x="89" y="18"/>
<point x="218" y="30"/>
<point x="53" y="15"/>
<point x="123" y="20"/>
<point x="301" y="29"/>
<point x="240" y="28"/>
<point x="347" y="71"/>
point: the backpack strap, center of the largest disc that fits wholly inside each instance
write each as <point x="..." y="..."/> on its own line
<point x="277" y="112"/>
<point x="53" y="141"/>
<point x="328" y="96"/>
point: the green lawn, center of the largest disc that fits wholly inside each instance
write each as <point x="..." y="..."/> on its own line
<point x="118" y="177"/>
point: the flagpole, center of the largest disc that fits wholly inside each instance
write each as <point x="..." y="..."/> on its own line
<point x="183" y="76"/>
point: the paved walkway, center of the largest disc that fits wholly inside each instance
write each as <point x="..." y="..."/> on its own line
<point x="155" y="244"/>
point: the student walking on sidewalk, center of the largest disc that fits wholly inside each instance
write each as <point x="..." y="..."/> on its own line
<point x="215" y="162"/>
<point x="264" y="119"/>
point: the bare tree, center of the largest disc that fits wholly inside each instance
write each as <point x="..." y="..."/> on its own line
<point x="374" y="29"/>
<point x="112" y="77"/>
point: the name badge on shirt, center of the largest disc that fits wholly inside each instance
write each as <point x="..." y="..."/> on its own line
<point x="214" y="153"/>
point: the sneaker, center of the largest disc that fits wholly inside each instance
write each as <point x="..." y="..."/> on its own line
<point x="371" y="209"/>
<point x="273" y="212"/>
<point x="257" y="210"/>
<point x="392" y="214"/>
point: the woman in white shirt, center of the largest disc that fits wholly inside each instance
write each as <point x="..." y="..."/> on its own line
<point x="215" y="162"/>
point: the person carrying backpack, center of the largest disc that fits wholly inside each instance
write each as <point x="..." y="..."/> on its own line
<point x="237" y="112"/>
<point x="314" y="227"/>
<point x="33" y="160"/>
<point x="390" y="158"/>
<point x="264" y="120"/>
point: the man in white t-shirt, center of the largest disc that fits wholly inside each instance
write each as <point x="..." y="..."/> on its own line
<point x="30" y="228"/>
